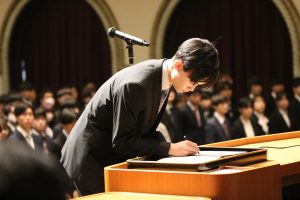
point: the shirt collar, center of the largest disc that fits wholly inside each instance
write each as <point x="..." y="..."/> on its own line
<point x="192" y="107"/>
<point x="283" y="112"/>
<point x="220" y="118"/>
<point x="23" y="132"/>
<point x="165" y="83"/>
<point x="65" y="133"/>
<point x="297" y="97"/>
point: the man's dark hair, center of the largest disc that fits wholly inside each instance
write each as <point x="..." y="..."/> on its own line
<point x="280" y="96"/>
<point x="253" y="81"/>
<point x="39" y="112"/>
<point x="218" y="99"/>
<point x="224" y="85"/>
<point x="21" y="108"/>
<point x="201" y="58"/>
<point x="205" y="95"/>
<point x="244" y="102"/>
<point x="13" y="97"/>
<point x="276" y="82"/>
<point x="25" y="86"/>
<point x="67" y="116"/>
<point x="63" y="91"/>
<point x="296" y="82"/>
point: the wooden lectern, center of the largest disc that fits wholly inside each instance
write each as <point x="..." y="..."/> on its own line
<point x="261" y="181"/>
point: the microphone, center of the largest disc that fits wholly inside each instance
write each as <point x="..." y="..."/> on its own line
<point x="112" y="31"/>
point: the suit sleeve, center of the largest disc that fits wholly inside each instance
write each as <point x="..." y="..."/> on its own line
<point x="210" y="133"/>
<point x="129" y="103"/>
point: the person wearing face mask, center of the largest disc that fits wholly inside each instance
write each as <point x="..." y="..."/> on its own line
<point x="244" y="126"/>
<point x="120" y="120"/>
<point x="47" y="103"/>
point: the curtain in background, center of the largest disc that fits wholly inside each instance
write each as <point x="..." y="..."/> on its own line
<point x="251" y="36"/>
<point x="62" y="42"/>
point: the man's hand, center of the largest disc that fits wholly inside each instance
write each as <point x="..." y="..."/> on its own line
<point x="183" y="148"/>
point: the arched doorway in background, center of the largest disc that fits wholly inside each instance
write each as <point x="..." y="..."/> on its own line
<point x="60" y="42"/>
<point x="252" y="37"/>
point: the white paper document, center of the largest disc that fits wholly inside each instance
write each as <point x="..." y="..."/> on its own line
<point x="203" y="157"/>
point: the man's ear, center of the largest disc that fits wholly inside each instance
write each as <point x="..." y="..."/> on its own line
<point x="178" y="64"/>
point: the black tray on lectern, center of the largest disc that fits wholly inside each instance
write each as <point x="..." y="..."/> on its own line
<point x="251" y="155"/>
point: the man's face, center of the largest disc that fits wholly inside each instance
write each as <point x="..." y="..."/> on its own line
<point x="222" y="108"/>
<point x="180" y="78"/>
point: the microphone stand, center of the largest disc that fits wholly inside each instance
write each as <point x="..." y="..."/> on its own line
<point x="130" y="51"/>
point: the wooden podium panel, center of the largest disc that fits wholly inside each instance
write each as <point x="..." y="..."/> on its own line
<point x="260" y="181"/>
<point x="250" y="183"/>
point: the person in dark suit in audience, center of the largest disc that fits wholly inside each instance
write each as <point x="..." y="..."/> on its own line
<point x="120" y="121"/>
<point x="218" y="127"/>
<point x="281" y="119"/>
<point x="206" y="105"/>
<point x="255" y="87"/>
<point x="172" y="119"/>
<point x="276" y="87"/>
<point x="224" y="89"/>
<point x="259" y="107"/>
<point x="193" y="121"/>
<point x="24" y="133"/>
<point x="295" y="102"/>
<point x="67" y="119"/>
<point x="244" y="126"/>
<point x="40" y="128"/>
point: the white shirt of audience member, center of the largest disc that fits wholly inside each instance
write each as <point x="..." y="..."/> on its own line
<point x="248" y="128"/>
<point x="221" y="119"/>
<point x="297" y="97"/>
<point x="286" y="118"/>
<point x="263" y="121"/>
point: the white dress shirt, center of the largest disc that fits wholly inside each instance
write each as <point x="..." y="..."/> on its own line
<point x="263" y="121"/>
<point x="221" y="119"/>
<point x="297" y="97"/>
<point x="248" y="128"/>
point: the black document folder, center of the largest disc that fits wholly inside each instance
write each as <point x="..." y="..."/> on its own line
<point x="206" y="160"/>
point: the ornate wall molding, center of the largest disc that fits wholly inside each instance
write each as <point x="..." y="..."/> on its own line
<point x="99" y="6"/>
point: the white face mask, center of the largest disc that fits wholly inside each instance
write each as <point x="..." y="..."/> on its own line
<point x="48" y="103"/>
<point x="12" y="118"/>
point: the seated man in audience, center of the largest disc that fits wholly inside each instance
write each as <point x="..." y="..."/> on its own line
<point x="281" y="119"/>
<point x="67" y="119"/>
<point x="171" y="119"/>
<point x="255" y="87"/>
<point x="206" y="105"/>
<point x="47" y="103"/>
<point x="41" y="129"/>
<point x="295" y="102"/>
<point x="217" y="128"/>
<point x="276" y="87"/>
<point x="24" y="134"/>
<point x="193" y="121"/>
<point x="259" y="106"/>
<point x="244" y="126"/>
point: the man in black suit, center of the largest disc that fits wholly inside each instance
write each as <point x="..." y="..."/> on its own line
<point x="276" y="87"/>
<point x="193" y="121"/>
<point x="218" y="127"/>
<point x="281" y="119"/>
<point x="245" y="126"/>
<point x="120" y="120"/>
<point x="295" y="102"/>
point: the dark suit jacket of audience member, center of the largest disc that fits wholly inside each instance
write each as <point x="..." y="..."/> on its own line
<point x="173" y="122"/>
<point x="270" y="105"/>
<point x="58" y="144"/>
<point x="17" y="136"/>
<point x="255" y="118"/>
<point x="278" y="125"/>
<point x="238" y="130"/>
<point x="190" y="127"/>
<point x="215" y="132"/>
<point x="295" y="111"/>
